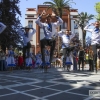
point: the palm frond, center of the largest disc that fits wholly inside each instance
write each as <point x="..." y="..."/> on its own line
<point x="59" y="5"/>
<point x="50" y="3"/>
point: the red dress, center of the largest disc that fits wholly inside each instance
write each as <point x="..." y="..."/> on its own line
<point x="20" y="61"/>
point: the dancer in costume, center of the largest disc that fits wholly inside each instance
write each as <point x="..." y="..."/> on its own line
<point x="27" y="36"/>
<point x="66" y="37"/>
<point x="49" y="29"/>
<point x="95" y="39"/>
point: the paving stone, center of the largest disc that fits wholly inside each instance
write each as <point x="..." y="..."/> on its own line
<point x="43" y="84"/>
<point x="19" y="81"/>
<point x="5" y="91"/>
<point x="41" y="92"/>
<point x="95" y="98"/>
<point x="65" y="80"/>
<point x="66" y="96"/>
<point x="61" y="87"/>
<point x="17" y="97"/>
<point x="8" y="83"/>
<point x="25" y="81"/>
<point x="95" y="84"/>
<point x="81" y="90"/>
<point x="24" y="87"/>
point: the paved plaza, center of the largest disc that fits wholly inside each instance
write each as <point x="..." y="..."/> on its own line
<point x="56" y="84"/>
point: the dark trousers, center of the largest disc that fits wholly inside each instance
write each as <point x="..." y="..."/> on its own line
<point x="94" y="48"/>
<point x="66" y="51"/>
<point x="91" y="65"/>
<point x="3" y="65"/>
<point x="81" y="60"/>
<point x="47" y="42"/>
<point x="26" y="51"/>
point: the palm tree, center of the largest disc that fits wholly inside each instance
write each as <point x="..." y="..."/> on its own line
<point x="82" y="19"/>
<point x="58" y="6"/>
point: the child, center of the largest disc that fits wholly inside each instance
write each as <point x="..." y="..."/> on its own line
<point x="38" y="60"/>
<point x="69" y="62"/>
<point x="47" y="58"/>
<point x="28" y="62"/>
<point x="20" y="61"/>
<point x="10" y="59"/>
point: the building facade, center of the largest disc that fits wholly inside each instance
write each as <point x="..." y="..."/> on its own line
<point x="68" y="17"/>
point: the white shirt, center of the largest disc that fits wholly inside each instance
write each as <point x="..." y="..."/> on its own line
<point x="95" y="38"/>
<point x="65" y="39"/>
<point x="25" y="38"/>
<point x="2" y="27"/>
<point x="48" y="34"/>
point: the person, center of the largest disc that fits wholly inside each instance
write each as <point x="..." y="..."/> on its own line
<point x="2" y="60"/>
<point x="20" y="61"/>
<point x="75" y="56"/>
<point x="38" y="60"/>
<point x="99" y="54"/>
<point x="49" y="29"/>
<point x="66" y="37"/>
<point x="2" y="27"/>
<point x="81" y="55"/>
<point x="95" y="39"/>
<point x="28" y="61"/>
<point x="10" y="58"/>
<point x="27" y="36"/>
<point x="90" y="60"/>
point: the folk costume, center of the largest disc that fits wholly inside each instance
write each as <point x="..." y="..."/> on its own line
<point x="66" y="40"/>
<point x="38" y="60"/>
<point x="95" y="41"/>
<point x="10" y="58"/>
<point x="26" y="41"/>
<point x="49" y="32"/>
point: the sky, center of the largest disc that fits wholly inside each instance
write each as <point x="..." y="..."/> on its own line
<point x="81" y="5"/>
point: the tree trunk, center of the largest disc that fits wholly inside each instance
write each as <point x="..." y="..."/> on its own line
<point x="84" y="35"/>
<point x="59" y="42"/>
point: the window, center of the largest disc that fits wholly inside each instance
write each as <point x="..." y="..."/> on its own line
<point x="30" y="24"/>
<point x="64" y="25"/>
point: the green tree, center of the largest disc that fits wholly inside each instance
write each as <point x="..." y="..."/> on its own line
<point x="9" y="12"/>
<point x="82" y="19"/>
<point x="97" y="8"/>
